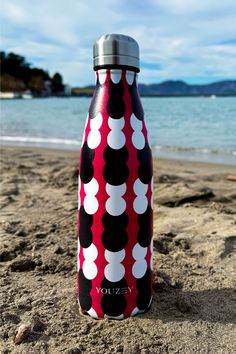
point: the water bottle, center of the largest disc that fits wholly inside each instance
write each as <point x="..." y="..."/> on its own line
<point x="115" y="213"/>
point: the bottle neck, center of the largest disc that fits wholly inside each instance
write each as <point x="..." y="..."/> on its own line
<point x="116" y="75"/>
<point x="116" y="94"/>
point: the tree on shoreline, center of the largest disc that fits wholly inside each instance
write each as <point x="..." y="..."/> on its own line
<point x="17" y="75"/>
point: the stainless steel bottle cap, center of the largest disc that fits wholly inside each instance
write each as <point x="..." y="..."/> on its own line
<point x="116" y="49"/>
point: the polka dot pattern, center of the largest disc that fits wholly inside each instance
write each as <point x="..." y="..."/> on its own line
<point x="115" y="105"/>
<point x="90" y="201"/>
<point x="141" y="201"/>
<point x="137" y="137"/>
<point x="115" y="210"/>
<point x="140" y="264"/>
<point x="116" y="138"/>
<point x="115" y="75"/>
<point x="94" y="137"/>
<point x="129" y="77"/>
<point x="115" y="204"/>
<point x="102" y="76"/>
<point x="113" y="305"/>
<point x="89" y="267"/>
<point x="114" y="237"/>
<point x="114" y="270"/>
<point x="115" y="171"/>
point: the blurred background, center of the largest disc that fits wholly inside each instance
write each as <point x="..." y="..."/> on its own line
<point x="187" y="77"/>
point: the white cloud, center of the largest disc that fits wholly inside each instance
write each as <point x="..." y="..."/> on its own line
<point x="187" y="38"/>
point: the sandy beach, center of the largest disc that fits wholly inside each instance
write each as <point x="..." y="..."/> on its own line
<point x="194" y="252"/>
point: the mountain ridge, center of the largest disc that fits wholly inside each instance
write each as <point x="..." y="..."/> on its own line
<point x="181" y="88"/>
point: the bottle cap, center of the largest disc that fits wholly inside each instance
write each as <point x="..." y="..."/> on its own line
<point x="115" y="49"/>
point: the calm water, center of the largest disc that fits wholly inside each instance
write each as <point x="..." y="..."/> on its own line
<point x="198" y="128"/>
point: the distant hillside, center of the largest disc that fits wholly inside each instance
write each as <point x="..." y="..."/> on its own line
<point x="181" y="88"/>
<point x="174" y="88"/>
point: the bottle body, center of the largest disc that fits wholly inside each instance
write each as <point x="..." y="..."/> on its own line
<point x="115" y="214"/>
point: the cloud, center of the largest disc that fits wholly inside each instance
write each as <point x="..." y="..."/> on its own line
<point x="179" y="39"/>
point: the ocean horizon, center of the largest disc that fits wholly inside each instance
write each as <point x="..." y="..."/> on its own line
<point x="189" y="128"/>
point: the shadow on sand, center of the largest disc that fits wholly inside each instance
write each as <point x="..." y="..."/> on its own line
<point x="171" y="303"/>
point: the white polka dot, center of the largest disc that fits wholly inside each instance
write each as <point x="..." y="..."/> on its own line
<point x="115" y="206"/>
<point x="115" y="75"/>
<point x="114" y="257"/>
<point x="94" y="136"/>
<point x="139" y="268"/>
<point x="102" y="75"/>
<point x="96" y="122"/>
<point x="92" y="313"/>
<point x="116" y="140"/>
<point x="129" y="77"/>
<point x="138" y="140"/>
<point x="90" y="253"/>
<point x="92" y="187"/>
<point x="140" y="188"/>
<point x="116" y="123"/>
<point x="90" y="204"/>
<point x="139" y="252"/>
<point x="136" y="124"/>
<point x="116" y="191"/>
<point x="114" y="274"/>
<point x="89" y="269"/>
<point x="94" y="139"/>
<point x="140" y="204"/>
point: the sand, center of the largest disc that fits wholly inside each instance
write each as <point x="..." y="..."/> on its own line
<point x="194" y="253"/>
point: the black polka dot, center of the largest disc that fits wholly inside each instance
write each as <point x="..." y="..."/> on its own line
<point x="114" y="304"/>
<point x="144" y="283"/>
<point x="97" y="100"/>
<point x="143" y="300"/>
<point x="115" y="104"/>
<point x="85" y="286"/>
<point x="86" y="168"/>
<point x="85" y="232"/>
<point x="136" y="102"/>
<point x="115" y="240"/>
<point x="144" y="290"/>
<point x="115" y="222"/>
<point x="145" y="227"/>
<point x="114" y="237"/>
<point x="115" y="170"/>
<point x="145" y="164"/>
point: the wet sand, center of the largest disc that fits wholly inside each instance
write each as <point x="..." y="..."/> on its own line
<point x="194" y="253"/>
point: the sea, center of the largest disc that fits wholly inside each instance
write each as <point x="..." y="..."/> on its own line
<point x="187" y="128"/>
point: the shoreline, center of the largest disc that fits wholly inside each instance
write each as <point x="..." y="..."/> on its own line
<point x="158" y="154"/>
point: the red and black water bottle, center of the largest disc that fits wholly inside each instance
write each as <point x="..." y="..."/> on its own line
<point x="115" y="215"/>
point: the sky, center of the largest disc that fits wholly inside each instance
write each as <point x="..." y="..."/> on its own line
<point x="190" y="40"/>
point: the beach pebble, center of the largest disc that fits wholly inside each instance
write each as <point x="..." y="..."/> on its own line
<point x="23" y="264"/>
<point x="23" y="332"/>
